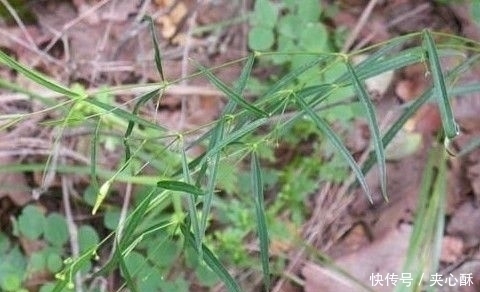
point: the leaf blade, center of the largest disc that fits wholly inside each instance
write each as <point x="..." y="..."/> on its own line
<point x="337" y="143"/>
<point x="257" y="187"/>
<point x="373" y="124"/>
<point x="450" y="127"/>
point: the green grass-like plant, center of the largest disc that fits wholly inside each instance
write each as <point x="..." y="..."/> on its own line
<point x="190" y="186"/>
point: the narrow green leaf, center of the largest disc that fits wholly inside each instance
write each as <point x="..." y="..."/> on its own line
<point x="93" y="155"/>
<point x="230" y="107"/>
<point x="179" y="186"/>
<point x="191" y="201"/>
<point x="216" y="138"/>
<point x="425" y="242"/>
<point x="390" y="63"/>
<point x="156" y="47"/>
<point x="46" y="82"/>
<point x="391" y="46"/>
<point x="212" y="261"/>
<point x="36" y="76"/>
<point x="131" y="123"/>
<point x="128" y="235"/>
<point x="285" y="80"/>
<point x="244" y="75"/>
<point x="235" y="136"/>
<point x="413" y="108"/>
<point x="449" y="125"/>
<point x="337" y="143"/>
<point x="123" y="267"/>
<point x="257" y="187"/>
<point x="231" y="93"/>
<point x="208" y="198"/>
<point x="138" y="215"/>
<point x="373" y="123"/>
<point x="121" y="113"/>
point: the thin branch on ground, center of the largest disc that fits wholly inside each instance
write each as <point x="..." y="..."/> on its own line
<point x="19" y="22"/>
<point x="72" y="228"/>
<point x="360" y="24"/>
<point x="401" y="18"/>
<point x="186" y="51"/>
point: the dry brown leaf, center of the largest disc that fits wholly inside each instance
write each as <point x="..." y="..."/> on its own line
<point x="383" y="256"/>
<point x="464" y="224"/>
<point x="16" y="185"/>
<point x="452" y="249"/>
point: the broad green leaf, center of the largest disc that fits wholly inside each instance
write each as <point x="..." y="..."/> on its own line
<point x="56" y="229"/>
<point x="87" y="238"/>
<point x="37" y="261"/>
<point x="12" y="270"/>
<point x="314" y="37"/>
<point x="54" y="262"/>
<point x="309" y="10"/>
<point x="135" y="263"/>
<point x="261" y="38"/>
<point x="4" y="243"/>
<point x="31" y="222"/>
<point x="111" y="218"/>
<point x="475" y="11"/>
<point x="288" y="27"/>
<point x="264" y="14"/>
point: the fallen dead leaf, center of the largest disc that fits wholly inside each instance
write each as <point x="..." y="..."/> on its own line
<point x="470" y="267"/>
<point x="452" y="249"/>
<point x="464" y="224"/>
<point x="14" y="185"/>
<point x="386" y="255"/>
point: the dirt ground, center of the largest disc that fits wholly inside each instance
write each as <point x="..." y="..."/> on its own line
<point x="105" y="42"/>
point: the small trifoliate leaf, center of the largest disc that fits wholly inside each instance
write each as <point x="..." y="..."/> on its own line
<point x="314" y="37"/>
<point x="309" y="10"/>
<point x="87" y="238"/>
<point x="264" y="14"/>
<point x="54" y="262"/>
<point x="30" y="222"/>
<point x="90" y="195"/>
<point x="260" y="38"/>
<point x="56" y="229"/>
<point x="111" y="218"/>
